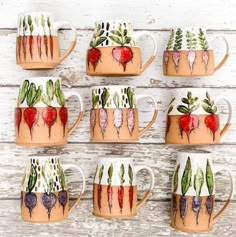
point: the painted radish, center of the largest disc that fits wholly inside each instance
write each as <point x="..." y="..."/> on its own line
<point x="62" y="195"/>
<point x="45" y="38"/>
<point x="130" y="112"/>
<point x="99" y="190"/>
<point x="103" y="112"/>
<point x="166" y="59"/>
<point x="18" y="118"/>
<point x="191" y="46"/>
<point x="50" y="37"/>
<point x="188" y="122"/>
<point x="38" y="39"/>
<point x="211" y="120"/>
<point x="95" y="99"/>
<point x="121" y="188"/>
<point x="24" y="40"/>
<point x="205" y="58"/>
<point x="204" y="46"/>
<point x="94" y="54"/>
<point x="177" y="47"/>
<point x="31" y="38"/>
<point x="131" y="188"/>
<point x="191" y="59"/>
<point x="109" y="187"/>
<point x="117" y="114"/>
<point x="176" y="58"/>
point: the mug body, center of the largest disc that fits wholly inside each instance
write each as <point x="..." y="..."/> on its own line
<point x="192" y="118"/>
<point x="193" y="192"/>
<point x="41" y="118"/>
<point x="114" y="188"/>
<point x="113" y="50"/>
<point x="37" y="45"/>
<point x="44" y="195"/>
<point x="188" y="53"/>
<point x="114" y="114"/>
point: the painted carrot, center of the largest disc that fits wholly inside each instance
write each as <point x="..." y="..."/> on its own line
<point x="103" y="111"/>
<point x="117" y="114"/>
<point x="50" y="37"/>
<point x="95" y="99"/>
<point x="121" y="188"/>
<point x="130" y="112"/>
<point x="24" y="40"/>
<point x="31" y="38"/>
<point x="131" y="188"/>
<point x="99" y="190"/>
<point x="109" y="187"/>
<point x="39" y="42"/>
<point x="45" y="39"/>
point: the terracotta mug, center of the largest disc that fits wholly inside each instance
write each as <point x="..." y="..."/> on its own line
<point x="37" y="44"/>
<point x="41" y="115"/>
<point x="45" y="196"/>
<point x="193" y="117"/>
<point x="113" y="50"/>
<point x="193" y="191"/>
<point x="114" y="114"/>
<point x="115" y="188"/>
<point x="188" y="54"/>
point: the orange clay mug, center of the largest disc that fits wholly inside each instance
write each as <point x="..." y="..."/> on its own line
<point x="193" y="191"/>
<point x="113" y="50"/>
<point x="188" y="54"/>
<point x="41" y="115"/>
<point x="193" y="117"/>
<point x="115" y="188"/>
<point x="45" y="196"/>
<point x="37" y="45"/>
<point x="114" y="114"/>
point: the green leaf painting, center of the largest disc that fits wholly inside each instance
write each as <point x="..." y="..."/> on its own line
<point x="209" y="178"/>
<point x="198" y="181"/>
<point x="100" y="173"/>
<point x="186" y="178"/>
<point x="122" y="173"/>
<point x="32" y="178"/>
<point x="175" y="181"/>
<point x="130" y="172"/>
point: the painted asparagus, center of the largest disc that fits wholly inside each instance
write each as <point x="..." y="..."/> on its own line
<point x="103" y="111"/>
<point x="117" y="114"/>
<point x="130" y="112"/>
<point x="121" y="188"/>
<point x="131" y="188"/>
<point x="109" y="187"/>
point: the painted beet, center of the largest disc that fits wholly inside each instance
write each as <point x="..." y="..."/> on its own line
<point x="49" y="200"/>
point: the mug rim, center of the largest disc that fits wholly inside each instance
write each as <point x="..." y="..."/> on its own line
<point x="43" y="156"/>
<point x="34" y="12"/>
<point x="193" y="151"/>
<point x="114" y="157"/>
<point x="41" y="79"/>
<point x="112" y="19"/>
<point x="188" y="27"/>
<point x="113" y="86"/>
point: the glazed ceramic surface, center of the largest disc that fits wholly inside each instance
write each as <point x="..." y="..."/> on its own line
<point x="193" y="117"/>
<point x="114" y="114"/>
<point x="193" y="191"/>
<point x="44" y="195"/>
<point x="41" y="115"/>
<point x="37" y="44"/>
<point x="115" y="188"/>
<point x="113" y="49"/>
<point x="188" y="54"/>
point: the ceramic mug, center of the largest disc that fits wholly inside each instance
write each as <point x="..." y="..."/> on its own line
<point x="41" y="115"/>
<point x="113" y="49"/>
<point x="37" y="44"/>
<point x="45" y="196"/>
<point x="193" y="117"/>
<point x="115" y="188"/>
<point x="193" y="191"/>
<point x="188" y="54"/>
<point x="114" y="114"/>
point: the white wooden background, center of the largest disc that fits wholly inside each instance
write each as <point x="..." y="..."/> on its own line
<point x="218" y="16"/>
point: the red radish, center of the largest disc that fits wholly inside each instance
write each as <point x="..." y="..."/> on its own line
<point x="18" y="117"/>
<point x="24" y="43"/>
<point x="191" y="58"/>
<point x="51" y="46"/>
<point x="166" y="59"/>
<point x="39" y="41"/>
<point x="131" y="188"/>
<point x="109" y="187"/>
<point x="31" y="117"/>
<point x="122" y="54"/>
<point x="49" y="117"/>
<point x="63" y="114"/>
<point x="176" y="57"/>
<point x="93" y="57"/>
<point x="120" y="197"/>
<point x="205" y="57"/>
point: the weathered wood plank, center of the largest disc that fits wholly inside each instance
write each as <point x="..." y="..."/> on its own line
<point x="160" y="158"/>
<point x="73" y="68"/>
<point x="152" y="220"/>
<point x="216" y="14"/>
<point x="154" y="135"/>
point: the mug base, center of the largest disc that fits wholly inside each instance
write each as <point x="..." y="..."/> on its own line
<point x="189" y="230"/>
<point x="192" y="143"/>
<point x="190" y="75"/>
<point x="112" y="74"/>
<point x="41" y="144"/>
<point x="114" y="216"/>
<point x="114" y="141"/>
<point x="29" y="66"/>
<point x="43" y="221"/>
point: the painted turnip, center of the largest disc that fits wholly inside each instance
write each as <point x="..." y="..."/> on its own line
<point x="176" y="58"/>
<point x="109" y="187"/>
<point x="130" y="111"/>
<point x="117" y="114"/>
<point x="103" y="112"/>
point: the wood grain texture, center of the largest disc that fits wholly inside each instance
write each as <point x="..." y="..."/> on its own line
<point x="148" y="222"/>
<point x="72" y="70"/>
<point x="160" y="158"/>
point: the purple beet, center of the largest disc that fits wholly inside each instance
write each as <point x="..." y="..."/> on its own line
<point x="62" y="198"/>
<point x="183" y="207"/>
<point x="196" y="206"/>
<point x="30" y="201"/>
<point x="49" y="201"/>
<point x="209" y="206"/>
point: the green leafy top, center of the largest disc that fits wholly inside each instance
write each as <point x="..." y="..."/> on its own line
<point x="191" y="40"/>
<point x="178" y="39"/>
<point x="24" y="24"/>
<point x="33" y="94"/>
<point x="116" y="100"/>
<point x="47" y="99"/>
<point x="191" y="104"/>
<point x="130" y="172"/>
<point x="30" y="23"/>
<point x="186" y="178"/>
<point x="130" y="95"/>
<point x="32" y="178"/>
<point x="110" y="173"/>
<point x="198" y="181"/>
<point x="95" y="99"/>
<point x="120" y="36"/>
<point x="62" y="178"/>
<point x="42" y="20"/>
<point x="23" y="92"/>
<point x="209" y="178"/>
<point x="209" y="105"/>
<point x="59" y="94"/>
<point x="171" y="40"/>
<point x="104" y="97"/>
<point x="170" y="106"/>
<point x="176" y="178"/>
<point x="122" y="173"/>
<point x="97" y="38"/>
<point x="101" y="173"/>
<point x="49" y="25"/>
<point x="202" y="40"/>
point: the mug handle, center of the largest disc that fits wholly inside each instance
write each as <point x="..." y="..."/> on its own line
<point x="220" y="212"/>
<point x="149" y="192"/>
<point x="226" y="54"/>
<point x="76" y="167"/>
<point x="138" y="35"/>
<point x="138" y="97"/>
<point x="61" y="24"/>
<point x="228" y="123"/>
<point x="67" y="95"/>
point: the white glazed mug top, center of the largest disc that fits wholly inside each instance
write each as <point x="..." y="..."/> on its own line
<point x="36" y="23"/>
<point x="199" y="162"/>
